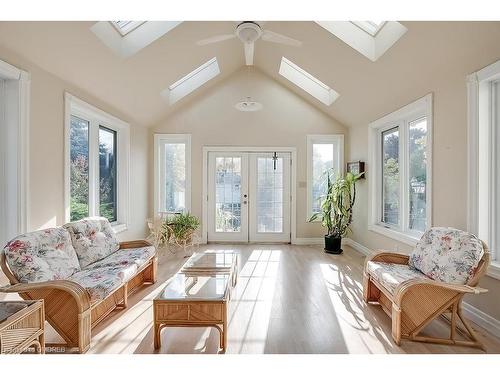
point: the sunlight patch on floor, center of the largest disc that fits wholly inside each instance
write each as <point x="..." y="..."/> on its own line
<point x="250" y="309"/>
<point x="360" y="334"/>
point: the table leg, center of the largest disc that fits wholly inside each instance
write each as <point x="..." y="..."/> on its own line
<point x="157" y="339"/>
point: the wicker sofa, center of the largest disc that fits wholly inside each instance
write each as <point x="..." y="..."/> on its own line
<point x="445" y="265"/>
<point x="81" y="272"/>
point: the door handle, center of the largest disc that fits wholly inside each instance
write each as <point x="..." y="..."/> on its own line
<point x="244" y="202"/>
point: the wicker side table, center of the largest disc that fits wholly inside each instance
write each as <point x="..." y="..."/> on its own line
<point x="22" y="326"/>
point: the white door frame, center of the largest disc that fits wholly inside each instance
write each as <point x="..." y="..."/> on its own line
<point x="293" y="182"/>
<point x="14" y="218"/>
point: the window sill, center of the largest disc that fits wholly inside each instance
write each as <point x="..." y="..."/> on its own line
<point x="494" y="270"/>
<point x="394" y="234"/>
<point x="118" y="228"/>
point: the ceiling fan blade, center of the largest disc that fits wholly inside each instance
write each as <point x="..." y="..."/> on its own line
<point x="215" y="39"/>
<point x="249" y="47"/>
<point x="271" y="36"/>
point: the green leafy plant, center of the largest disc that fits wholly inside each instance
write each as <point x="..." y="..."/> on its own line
<point x="182" y="226"/>
<point x="337" y="204"/>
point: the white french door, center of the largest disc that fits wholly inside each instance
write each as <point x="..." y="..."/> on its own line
<point x="249" y="197"/>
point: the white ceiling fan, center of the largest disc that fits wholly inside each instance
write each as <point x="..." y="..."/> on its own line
<point x="249" y="32"/>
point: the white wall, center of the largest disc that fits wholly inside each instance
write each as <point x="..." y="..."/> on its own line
<point x="285" y="120"/>
<point x="47" y="151"/>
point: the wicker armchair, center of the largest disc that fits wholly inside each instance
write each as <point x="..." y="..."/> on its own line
<point x="415" y="289"/>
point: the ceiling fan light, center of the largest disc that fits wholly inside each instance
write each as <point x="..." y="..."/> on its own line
<point x="248" y="106"/>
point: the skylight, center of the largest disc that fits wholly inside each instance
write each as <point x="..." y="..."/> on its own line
<point x="307" y="82"/>
<point x="370" y="38"/>
<point x="126" y="38"/>
<point x="371" y="27"/>
<point x="124" y="27"/>
<point x="192" y="81"/>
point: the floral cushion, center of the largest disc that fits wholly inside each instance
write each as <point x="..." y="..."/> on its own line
<point x="390" y="275"/>
<point x="42" y="255"/>
<point x="127" y="260"/>
<point x="93" y="239"/>
<point x="447" y="254"/>
<point x="99" y="282"/>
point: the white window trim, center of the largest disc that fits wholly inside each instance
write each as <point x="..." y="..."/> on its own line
<point x="15" y="119"/>
<point x="480" y="166"/>
<point x="421" y="107"/>
<point x="320" y="139"/>
<point x="96" y="118"/>
<point x="159" y="178"/>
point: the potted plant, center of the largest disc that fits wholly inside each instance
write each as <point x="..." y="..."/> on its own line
<point x="336" y="210"/>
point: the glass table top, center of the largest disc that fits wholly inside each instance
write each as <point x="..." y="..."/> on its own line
<point x="210" y="260"/>
<point x="9" y="308"/>
<point x="184" y="287"/>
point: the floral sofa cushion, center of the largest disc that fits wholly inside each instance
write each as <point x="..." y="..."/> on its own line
<point x="99" y="282"/>
<point x="128" y="261"/>
<point x="43" y="255"/>
<point x="390" y="275"/>
<point x="93" y="239"/>
<point x="447" y="254"/>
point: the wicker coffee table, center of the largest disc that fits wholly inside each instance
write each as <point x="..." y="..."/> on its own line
<point x="21" y="326"/>
<point x="213" y="262"/>
<point x="193" y="301"/>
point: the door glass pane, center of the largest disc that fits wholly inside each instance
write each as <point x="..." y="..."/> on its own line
<point x="417" y="174"/>
<point x="175" y="177"/>
<point x="228" y="194"/>
<point x="323" y="161"/>
<point x="390" y="180"/>
<point x="79" y="168"/>
<point x="107" y="173"/>
<point x="269" y="195"/>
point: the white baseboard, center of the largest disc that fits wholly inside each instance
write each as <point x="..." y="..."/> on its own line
<point x="309" y="241"/>
<point x="357" y="246"/>
<point x="490" y="324"/>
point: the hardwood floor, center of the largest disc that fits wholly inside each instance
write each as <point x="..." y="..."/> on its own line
<point x="289" y="299"/>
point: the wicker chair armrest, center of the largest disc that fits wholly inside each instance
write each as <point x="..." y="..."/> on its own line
<point x="78" y="292"/>
<point x="134" y="244"/>
<point x="406" y="286"/>
<point x="387" y="257"/>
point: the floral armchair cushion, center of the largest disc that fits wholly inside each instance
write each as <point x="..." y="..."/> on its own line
<point x="447" y="254"/>
<point x="93" y="239"/>
<point x="43" y="255"/>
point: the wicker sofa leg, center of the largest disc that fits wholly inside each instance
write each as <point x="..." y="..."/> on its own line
<point x="151" y="271"/>
<point x="154" y="270"/>
<point x="84" y="331"/>
<point x="396" y="324"/>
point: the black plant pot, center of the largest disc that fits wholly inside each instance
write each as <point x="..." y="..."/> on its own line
<point x="332" y="245"/>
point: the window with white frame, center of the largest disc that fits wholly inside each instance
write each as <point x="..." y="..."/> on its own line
<point x="400" y="162"/>
<point x="97" y="164"/>
<point x="172" y="173"/>
<point x="484" y="159"/>
<point x="325" y="156"/>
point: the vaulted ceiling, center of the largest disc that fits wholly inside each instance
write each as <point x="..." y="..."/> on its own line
<point x="71" y="51"/>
